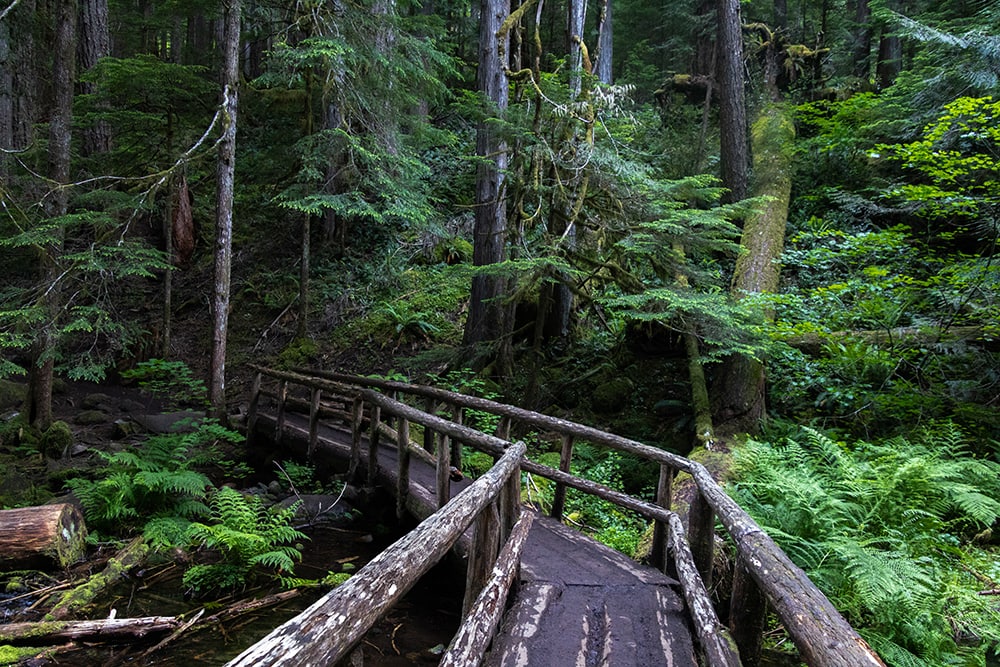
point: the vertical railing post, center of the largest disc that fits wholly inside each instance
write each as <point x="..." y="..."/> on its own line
<point x="403" y="461"/>
<point x="373" y="438"/>
<point x="658" y="553"/>
<point x="510" y="503"/>
<point x="429" y="435"/>
<point x="747" y="614"/>
<point x="443" y="472"/>
<point x="314" y="401"/>
<point x="279" y="426"/>
<point x="254" y="402"/>
<point x="701" y="535"/>
<point x="565" y="460"/>
<point x="482" y="557"/>
<point x="357" y="422"/>
<point x="503" y="428"/>
<point x="457" y="416"/>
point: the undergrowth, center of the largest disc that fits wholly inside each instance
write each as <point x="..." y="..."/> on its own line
<point x="892" y="532"/>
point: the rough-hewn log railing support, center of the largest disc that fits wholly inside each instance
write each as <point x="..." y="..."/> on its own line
<point x="664" y="489"/>
<point x="482" y="556"/>
<point x="279" y="428"/>
<point x="357" y="428"/>
<point x="701" y="535"/>
<point x="373" y="438"/>
<point x="443" y="471"/>
<point x="403" y="470"/>
<point x="254" y="403"/>
<point x="565" y="461"/>
<point x="458" y="417"/>
<point x="315" y="398"/>
<point x="430" y="406"/>
<point x="747" y="613"/>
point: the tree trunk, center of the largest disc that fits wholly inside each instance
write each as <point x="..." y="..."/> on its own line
<point x="224" y="208"/>
<point x="60" y="128"/>
<point x="95" y="43"/>
<point x="890" y="54"/>
<point x="862" y="40"/>
<point x="302" y="326"/>
<point x="486" y="320"/>
<point x="739" y="397"/>
<point x="732" y="107"/>
<point x="576" y="19"/>
<point x="49" y="534"/>
<point x="605" y="43"/>
<point x="780" y="14"/>
<point x="6" y="99"/>
<point x="107" y="629"/>
<point x="705" y="53"/>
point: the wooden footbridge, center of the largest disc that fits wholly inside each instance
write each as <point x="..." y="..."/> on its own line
<point x="537" y="592"/>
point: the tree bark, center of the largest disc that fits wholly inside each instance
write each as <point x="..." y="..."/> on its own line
<point x="225" y="176"/>
<point x="605" y="43"/>
<point x="108" y="629"/>
<point x="862" y="40"/>
<point x="740" y="388"/>
<point x="6" y="99"/>
<point x="890" y="54"/>
<point x="60" y="137"/>
<point x="486" y="320"/>
<point x="732" y="107"/>
<point x="576" y="19"/>
<point x="95" y="43"/>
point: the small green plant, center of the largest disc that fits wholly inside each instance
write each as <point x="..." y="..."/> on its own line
<point x="171" y="381"/>
<point x="249" y="539"/>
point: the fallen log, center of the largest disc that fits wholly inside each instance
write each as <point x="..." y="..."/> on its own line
<point x="78" y="598"/>
<point x="51" y="632"/>
<point x="43" y="536"/>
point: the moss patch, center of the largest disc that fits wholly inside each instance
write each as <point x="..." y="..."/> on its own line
<point x="11" y="394"/>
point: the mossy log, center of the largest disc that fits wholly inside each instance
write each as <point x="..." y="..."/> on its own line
<point x="50" y="632"/>
<point x="76" y="599"/>
<point x="48" y="535"/>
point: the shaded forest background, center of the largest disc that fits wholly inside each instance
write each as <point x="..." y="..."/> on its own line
<point x="688" y="221"/>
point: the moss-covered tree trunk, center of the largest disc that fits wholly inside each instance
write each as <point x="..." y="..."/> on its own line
<point x="740" y="388"/>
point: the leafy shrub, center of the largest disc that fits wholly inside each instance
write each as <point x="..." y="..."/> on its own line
<point x="171" y="381"/>
<point x="247" y="537"/>
<point x="885" y="531"/>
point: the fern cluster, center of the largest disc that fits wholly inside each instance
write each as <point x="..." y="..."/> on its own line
<point x="152" y="485"/>
<point x="885" y="531"/>
<point x="247" y="536"/>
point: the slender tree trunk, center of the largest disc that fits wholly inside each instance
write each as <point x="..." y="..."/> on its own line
<point x="705" y="53"/>
<point x="605" y="42"/>
<point x="740" y="388"/>
<point x="576" y="20"/>
<point x="302" y="327"/>
<point x="732" y="107"/>
<point x="63" y="78"/>
<point x="6" y="99"/>
<point x="862" y="40"/>
<point x="95" y="43"/>
<point x="890" y="54"/>
<point x="486" y="321"/>
<point x="224" y="207"/>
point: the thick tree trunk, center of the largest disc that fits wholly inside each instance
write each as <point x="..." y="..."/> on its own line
<point x="60" y="128"/>
<point x="49" y="534"/>
<point x="576" y="19"/>
<point x="890" y="54"/>
<point x="6" y="99"/>
<point x="605" y="43"/>
<point x="732" y="107"/>
<point x="95" y="43"/>
<point x="224" y="208"/>
<point x="486" y="320"/>
<point x="740" y="388"/>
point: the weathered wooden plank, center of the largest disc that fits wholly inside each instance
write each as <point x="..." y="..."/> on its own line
<point x="326" y="631"/>
<point x="474" y="636"/>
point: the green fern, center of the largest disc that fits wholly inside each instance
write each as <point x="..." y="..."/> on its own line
<point x="878" y="526"/>
<point x="248" y="538"/>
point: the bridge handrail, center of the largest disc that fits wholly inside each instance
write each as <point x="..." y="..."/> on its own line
<point x="328" y="630"/>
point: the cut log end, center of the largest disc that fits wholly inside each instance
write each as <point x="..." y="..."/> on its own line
<point x="42" y="536"/>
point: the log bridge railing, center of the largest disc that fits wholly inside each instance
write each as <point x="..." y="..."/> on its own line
<point x="763" y="575"/>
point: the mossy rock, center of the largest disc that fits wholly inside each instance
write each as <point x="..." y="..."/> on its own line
<point x="453" y="250"/>
<point x="298" y="353"/>
<point x="97" y="401"/>
<point x="56" y="440"/>
<point x="476" y="464"/>
<point x="11" y="394"/>
<point x="15" y="655"/>
<point x="611" y="397"/>
<point x="91" y="417"/>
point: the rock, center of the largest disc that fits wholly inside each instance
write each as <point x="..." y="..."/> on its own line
<point x="125" y="428"/>
<point x="170" y="422"/>
<point x="56" y="440"/>
<point x="274" y="488"/>
<point x="96" y="401"/>
<point x="612" y="396"/>
<point x="11" y="394"/>
<point x="91" y="417"/>
<point x="130" y="406"/>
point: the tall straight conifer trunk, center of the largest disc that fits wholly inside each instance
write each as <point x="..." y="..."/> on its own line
<point x="63" y="78"/>
<point x="732" y="107"/>
<point x="225" y="176"/>
<point x="487" y="319"/>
